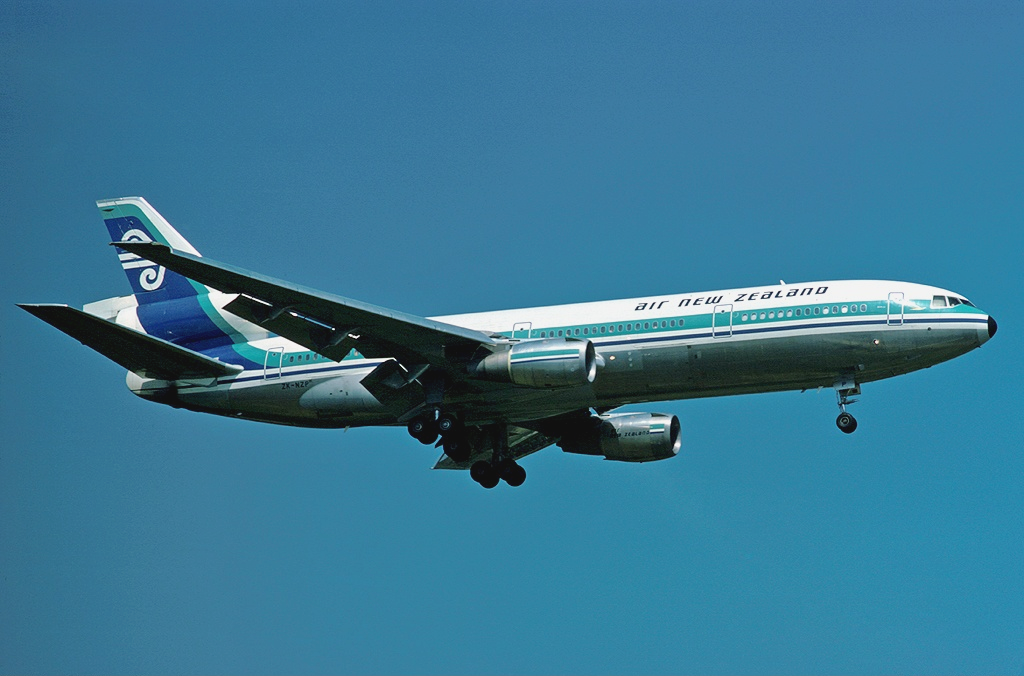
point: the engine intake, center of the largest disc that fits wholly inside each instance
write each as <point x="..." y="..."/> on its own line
<point x="626" y="437"/>
<point x="557" y="362"/>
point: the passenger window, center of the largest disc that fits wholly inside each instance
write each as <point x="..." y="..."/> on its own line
<point x="789" y="313"/>
<point x="798" y="312"/>
<point x="817" y="310"/>
<point x="835" y="309"/>
<point x="586" y="331"/>
<point x="844" y="309"/>
<point x="602" y="329"/>
<point x="853" y="308"/>
<point x="744" y="317"/>
<point x="620" y="328"/>
<point x="577" y="332"/>
<point x="763" y="315"/>
<point x="771" y="315"/>
<point x="664" y="324"/>
<point x="863" y="307"/>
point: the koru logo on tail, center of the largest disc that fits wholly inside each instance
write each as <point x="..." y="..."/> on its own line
<point x="151" y="275"/>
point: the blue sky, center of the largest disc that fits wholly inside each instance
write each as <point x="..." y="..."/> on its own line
<point x="449" y="157"/>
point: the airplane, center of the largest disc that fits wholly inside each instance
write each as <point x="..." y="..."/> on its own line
<point x="490" y="388"/>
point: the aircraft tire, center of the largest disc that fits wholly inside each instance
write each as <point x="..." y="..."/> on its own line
<point x="490" y="480"/>
<point x="427" y="438"/>
<point x="423" y="430"/>
<point x="484" y="474"/>
<point x="446" y="424"/>
<point x="457" y="447"/>
<point x="479" y="470"/>
<point x="846" y="423"/>
<point x="514" y="475"/>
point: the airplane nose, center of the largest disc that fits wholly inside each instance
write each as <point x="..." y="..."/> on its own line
<point x="992" y="326"/>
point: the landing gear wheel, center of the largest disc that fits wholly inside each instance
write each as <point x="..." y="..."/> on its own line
<point x="423" y="430"/>
<point x="479" y="470"/>
<point x="456" y="447"/>
<point x="447" y="424"/>
<point x="484" y="474"/>
<point x="514" y="475"/>
<point x="846" y="422"/>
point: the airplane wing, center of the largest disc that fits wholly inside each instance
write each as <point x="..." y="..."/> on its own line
<point x="145" y="355"/>
<point x="328" y="324"/>
<point x="521" y="443"/>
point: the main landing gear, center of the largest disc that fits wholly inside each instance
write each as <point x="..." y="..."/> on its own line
<point x="428" y="427"/>
<point x="458" y="442"/>
<point x="845" y="388"/>
<point x="502" y="466"/>
<point x="488" y="474"/>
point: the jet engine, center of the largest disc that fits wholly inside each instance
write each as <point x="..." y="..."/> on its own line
<point x="626" y="437"/>
<point x="554" y="362"/>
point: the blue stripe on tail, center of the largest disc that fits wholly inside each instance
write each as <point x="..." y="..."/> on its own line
<point x="171" y="306"/>
<point x="150" y="282"/>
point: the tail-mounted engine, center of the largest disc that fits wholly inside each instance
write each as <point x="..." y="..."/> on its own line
<point x="555" y="362"/>
<point x="627" y="437"/>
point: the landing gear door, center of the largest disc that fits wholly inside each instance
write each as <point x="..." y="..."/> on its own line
<point x="521" y="330"/>
<point x="721" y="321"/>
<point x="895" y="313"/>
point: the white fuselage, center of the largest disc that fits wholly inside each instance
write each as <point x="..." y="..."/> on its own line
<point x="674" y="346"/>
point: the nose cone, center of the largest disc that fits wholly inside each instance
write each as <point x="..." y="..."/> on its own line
<point x="985" y="336"/>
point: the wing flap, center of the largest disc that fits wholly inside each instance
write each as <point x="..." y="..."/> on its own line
<point x="145" y="355"/>
<point x="521" y="443"/>
<point x="330" y="342"/>
<point x="381" y="332"/>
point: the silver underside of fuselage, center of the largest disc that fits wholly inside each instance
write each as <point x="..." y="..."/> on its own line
<point x="686" y="369"/>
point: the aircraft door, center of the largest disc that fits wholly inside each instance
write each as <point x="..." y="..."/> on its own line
<point x="721" y="321"/>
<point x="894" y="317"/>
<point x="521" y="330"/>
<point x="272" y="363"/>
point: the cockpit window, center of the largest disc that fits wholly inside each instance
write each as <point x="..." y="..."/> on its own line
<point x="939" y="301"/>
<point x="954" y="301"/>
<point x="966" y="302"/>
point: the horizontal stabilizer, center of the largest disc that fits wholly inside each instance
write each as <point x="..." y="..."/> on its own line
<point x="145" y="355"/>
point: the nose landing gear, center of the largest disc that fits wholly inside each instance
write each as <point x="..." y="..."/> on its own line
<point x="845" y="388"/>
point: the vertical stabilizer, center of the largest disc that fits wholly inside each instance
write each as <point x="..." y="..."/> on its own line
<point x="132" y="219"/>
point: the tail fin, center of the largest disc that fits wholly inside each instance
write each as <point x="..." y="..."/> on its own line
<point x="132" y="219"/>
<point x="170" y="306"/>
